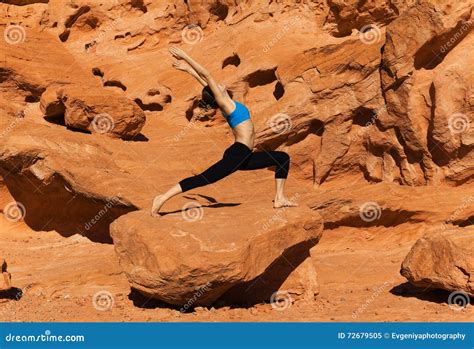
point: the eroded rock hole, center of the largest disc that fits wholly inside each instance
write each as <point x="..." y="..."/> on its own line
<point x="97" y="72"/>
<point x="92" y="22"/>
<point x="89" y="45"/>
<point x="149" y="106"/>
<point x="71" y="20"/>
<point x="465" y="222"/>
<point x="363" y="117"/>
<point x="139" y="4"/>
<point x="279" y="91"/>
<point x="32" y="99"/>
<point x="261" y="77"/>
<point x="115" y="83"/>
<point x="316" y="127"/>
<point x="219" y="10"/>
<point x="232" y="60"/>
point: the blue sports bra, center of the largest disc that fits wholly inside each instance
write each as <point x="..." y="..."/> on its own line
<point x="239" y="115"/>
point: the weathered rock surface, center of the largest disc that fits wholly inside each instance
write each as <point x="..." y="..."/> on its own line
<point x="65" y="183"/>
<point x="40" y="69"/>
<point x="422" y="53"/>
<point x="345" y="16"/>
<point x="358" y="93"/>
<point x="172" y="259"/>
<point x="105" y="113"/>
<point x="391" y="205"/>
<point x="444" y="260"/>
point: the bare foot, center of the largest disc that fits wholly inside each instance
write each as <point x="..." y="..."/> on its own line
<point x="7" y="282"/>
<point x="157" y="203"/>
<point x="283" y="202"/>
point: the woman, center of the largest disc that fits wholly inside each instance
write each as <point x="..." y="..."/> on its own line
<point x="238" y="156"/>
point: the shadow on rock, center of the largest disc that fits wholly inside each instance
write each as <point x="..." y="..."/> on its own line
<point x="61" y="122"/>
<point x="261" y="289"/>
<point x="139" y="138"/>
<point x="422" y="293"/>
<point x="13" y="293"/>
<point x="216" y="205"/>
<point x="256" y="291"/>
<point x="53" y="206"/>
<point x="141" y="301"/>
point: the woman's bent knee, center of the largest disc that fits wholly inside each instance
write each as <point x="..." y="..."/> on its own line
<point x="282" y="158"/>
<point x="283" y="166"/>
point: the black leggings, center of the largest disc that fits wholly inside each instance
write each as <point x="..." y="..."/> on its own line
<point x="239" y="157"/>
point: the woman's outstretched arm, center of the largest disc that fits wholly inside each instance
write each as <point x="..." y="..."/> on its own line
<point x="188" y="69"/>
<point x="224" y="102"/>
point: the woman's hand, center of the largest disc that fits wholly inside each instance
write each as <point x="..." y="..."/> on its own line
<point x="181" y="66"/>
<point x="178" y="53"/>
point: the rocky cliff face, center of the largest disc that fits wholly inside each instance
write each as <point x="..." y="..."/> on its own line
<point x="371" y="96"/>
<point x="357" y="89"/>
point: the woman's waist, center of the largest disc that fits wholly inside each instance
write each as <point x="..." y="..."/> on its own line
<point x="244" y="129"/>
<point x="248" y="140"/>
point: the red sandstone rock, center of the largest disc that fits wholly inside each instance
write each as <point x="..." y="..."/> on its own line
<point x="40" y="66"/>
<point x="444" y="260"/>
<point x="108" y="113"/>
<point x="379" y="92"/>
<point x="174" y="257"/>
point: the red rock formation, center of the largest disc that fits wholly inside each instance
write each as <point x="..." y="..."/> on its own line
<point x="443" y="260"/>
<point x="172" y="260"/>
<point x="372" y="100"/>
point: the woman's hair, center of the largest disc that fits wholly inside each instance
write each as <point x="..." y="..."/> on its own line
<point x="208" y="98"/>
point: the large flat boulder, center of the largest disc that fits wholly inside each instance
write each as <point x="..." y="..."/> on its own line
<point x="44" y="168"/>
<point x="41" y="69"/>
<point x="198" y="254"/>
<point x="444" y="260"/>
<point x="96" y="110"/>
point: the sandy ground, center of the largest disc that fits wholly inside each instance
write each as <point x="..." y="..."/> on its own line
<point x="358" y="275"/>
<point x="58" y="278"/>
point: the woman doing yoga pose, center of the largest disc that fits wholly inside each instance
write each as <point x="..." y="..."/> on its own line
<point x="240" y="155"/>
